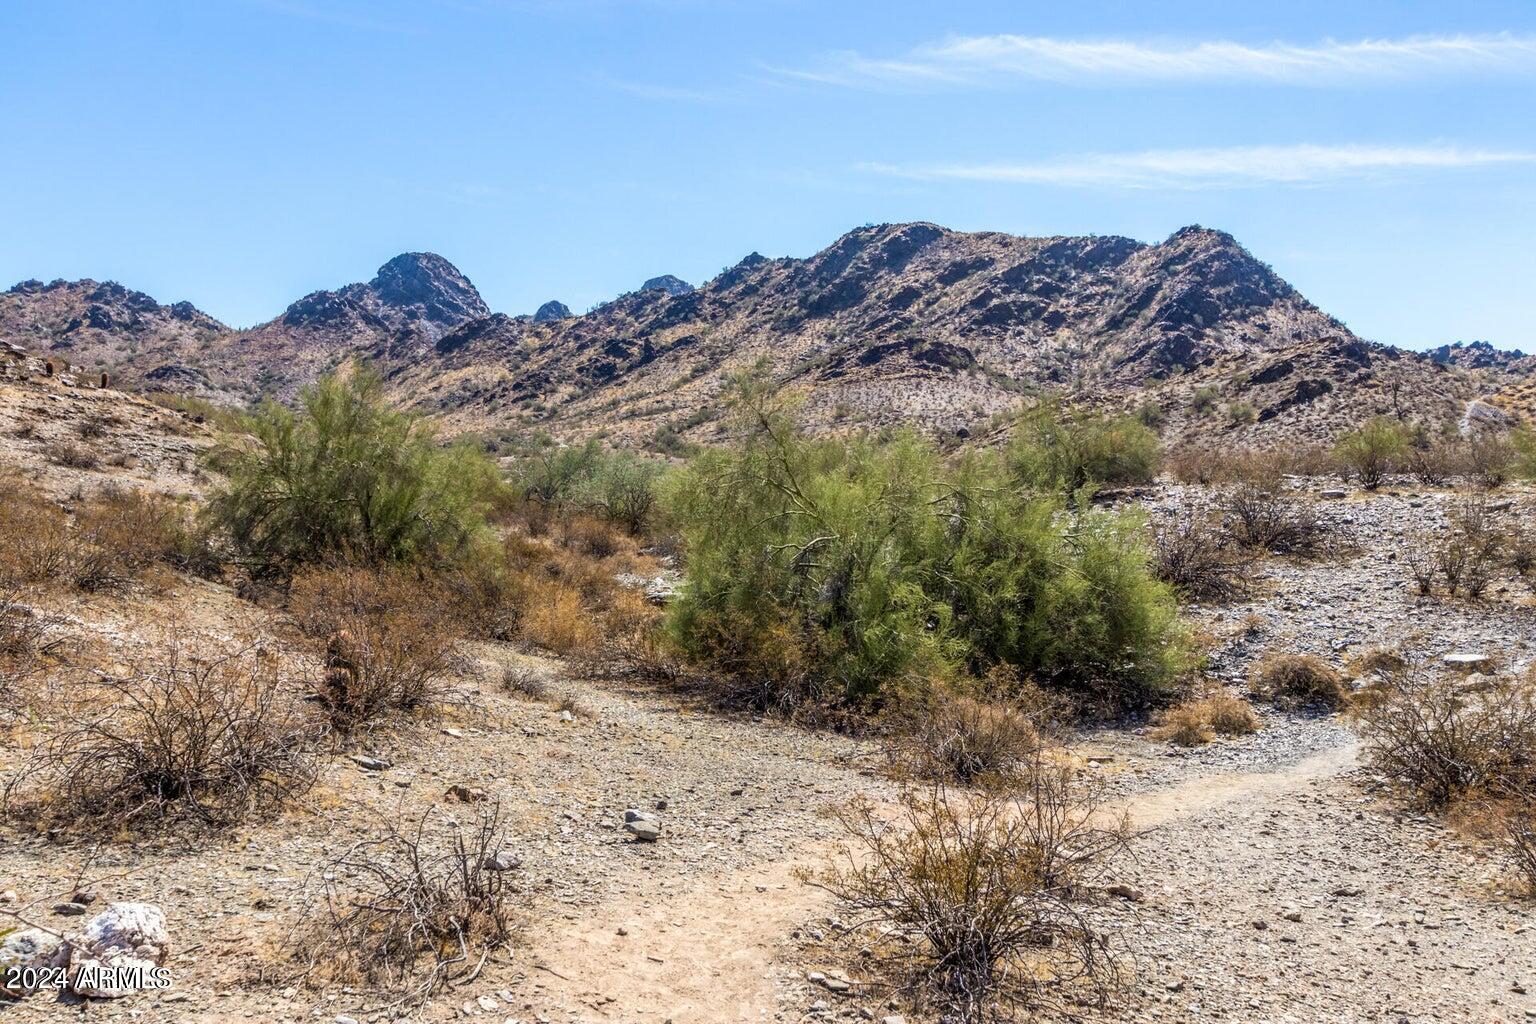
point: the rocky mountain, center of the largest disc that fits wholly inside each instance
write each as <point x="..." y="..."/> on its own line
<point x="891" y="324"/>
<point x="101" y="324"/>
<point x="397" y="316"/>
<point x="551" y="310"/>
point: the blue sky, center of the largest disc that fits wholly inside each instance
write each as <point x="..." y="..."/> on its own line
<point x="240" y="153"/>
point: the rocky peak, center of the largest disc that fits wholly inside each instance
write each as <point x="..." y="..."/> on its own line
<point x="427" y="284"/>
<point x="669" y="284"/>
<point x="550" y="311"/>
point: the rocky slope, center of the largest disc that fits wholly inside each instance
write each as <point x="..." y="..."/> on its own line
<point x="896" y="323"/>
<point x="100" y="325"/>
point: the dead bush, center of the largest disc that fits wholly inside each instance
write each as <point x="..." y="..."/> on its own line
<point x="117" y="536"/>
<point x="26" y="637"/>
<point x="36" y="546"/>
<point x="526" y="682"/>
<point x="413" y="910"/>
<point x="964" y="739"/>
<point x="1473" y="550"/>
<point x="183" y="738"/>
<point x="1201" y="719"/>
<point x="1201" y="562"/>
<point x="1421" y="557"/>
<point x="985" y="901"/>
<point x="1444" y="739"/>
<point x="1295" y="681"/>
<point x="632" y="638"/>
<point x="1517" y="835"/>
<point x="71" y="455"/>
<point x="1487" y="458"/>
<point x="389" y="640"/>
<point x="1265" y="520"/>
<point x="120" y="535"/>
<point x="590" y="536"/>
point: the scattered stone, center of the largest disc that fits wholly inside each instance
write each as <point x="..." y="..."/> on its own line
<point x="643" y="825"/>
<point x="371" y="764"/>
<point x="69" y="909"/>
<point x="501" y="860"/>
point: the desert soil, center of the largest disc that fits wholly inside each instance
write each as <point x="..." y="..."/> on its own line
<point x="1282" y="882"/>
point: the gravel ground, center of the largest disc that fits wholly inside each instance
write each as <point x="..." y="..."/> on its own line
<point x="1368" y="913"/>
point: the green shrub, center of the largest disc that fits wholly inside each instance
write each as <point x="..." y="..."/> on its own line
<point x="1056" y="450"/>
<point x="837" y="570"/>
<point x="618" y="486"/>
<point x="624" y="491"/>
<point x="1370" y="452"/>
<point x="345" y="475"/>
<point x="1204" y="398"/>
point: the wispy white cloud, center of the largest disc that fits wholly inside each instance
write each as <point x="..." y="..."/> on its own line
<point x="980" y="60"/>
<point x="1230" y="167"/>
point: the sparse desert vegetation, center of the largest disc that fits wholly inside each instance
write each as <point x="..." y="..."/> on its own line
<point x="454" y="697"/>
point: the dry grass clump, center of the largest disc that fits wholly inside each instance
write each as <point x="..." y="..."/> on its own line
<point x="1200" y="720"/>
<point x="966" y="739"/>
<point x="412" y="911"/>
<point x="590" y="536"/>
<point x="116" y="538"/>
<point x="984" y="901"/>
<point x="1262" y="519"/>
<point x="526" y="682"/>
<point x="1380" y="662"/>
<point x="555" y="619"/>
<point x="1294" y="681"/>
<point x="1201" y="562"/>
<point x="1194" y="464"/>
<point x="389" y="638"/>
<point x="183" y="738"/>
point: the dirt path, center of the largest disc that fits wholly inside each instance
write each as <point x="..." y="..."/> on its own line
<point x="714" y="952"/>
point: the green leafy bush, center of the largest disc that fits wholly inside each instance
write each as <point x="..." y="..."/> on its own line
<point x="1370" y="452"/>
<point x="1056" y="450"/>
<point x="842" y="570"/>
<point x="345" y="475"/>
<point x="618" y="486"/>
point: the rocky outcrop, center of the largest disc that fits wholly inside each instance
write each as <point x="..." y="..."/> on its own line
<point x="667" y="283"/>
<point x="551" y="311"/>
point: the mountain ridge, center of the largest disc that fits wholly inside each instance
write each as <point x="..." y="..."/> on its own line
<point x="889" y="324"/>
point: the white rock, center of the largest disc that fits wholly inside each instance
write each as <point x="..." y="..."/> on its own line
<point x="126" y="937"/>
<point x="31" y="947"/>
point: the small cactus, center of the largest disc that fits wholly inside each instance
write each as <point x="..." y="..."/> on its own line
<point x="339" y="684"/>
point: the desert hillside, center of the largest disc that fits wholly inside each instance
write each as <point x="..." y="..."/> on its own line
<point x="893" y="324"/>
